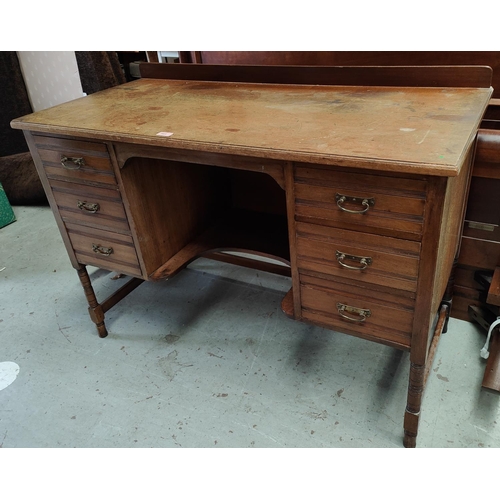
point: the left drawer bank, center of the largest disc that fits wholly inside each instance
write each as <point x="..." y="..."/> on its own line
<point x="84" y="193"/>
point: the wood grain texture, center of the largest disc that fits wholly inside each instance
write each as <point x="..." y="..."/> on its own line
<point x="398" y="202"/>
<point x="491" y="378"/>
<point x="472" y="230"/>
<point x="450" y="236"/>
<point x="480" y="243"/>
<point x="420" y="130"/>
<point x="50" y="197"/>
<point x="389" y="320"/>
<point x="185" y="156"/>
<point x="494" y="290"/>
<point x="461" y="303"/>
<point x="122" y="259"/>
<point x="394" y="262"/>
<point x="479" y="253"/>
<point x="235" y="231"/>
<point x="445" y="207"/>
<point x="424" y="314"/>
<point x="488" y="146"/>
<point x="351" y="58"/>
<point x="271" y="167"/>
<point x="376" y="75"/>
<point x="287" y="304"/>
<point x="110" y="213"/>
<point x="247" y="260"/>
<point x="486" y="170"/>
<point x="96" y="168"/>
<point x="464" y="277"/>
<point x="170" y="204"/>
<point x="95" y="309"/>
<point x="294" y="294"/>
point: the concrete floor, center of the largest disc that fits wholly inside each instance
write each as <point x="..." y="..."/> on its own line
<point x="208" y="360"/>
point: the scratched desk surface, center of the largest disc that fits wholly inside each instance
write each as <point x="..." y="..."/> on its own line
<point x="425" y="130"/>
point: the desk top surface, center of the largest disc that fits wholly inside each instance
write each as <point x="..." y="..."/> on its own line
<point x="414" y="130"/>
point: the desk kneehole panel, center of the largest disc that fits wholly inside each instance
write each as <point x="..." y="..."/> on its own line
<point x="377" y="204"/>
<point x="103" y="249"/>
<point x="379" y="316"/>
<point x="368" y="258"/>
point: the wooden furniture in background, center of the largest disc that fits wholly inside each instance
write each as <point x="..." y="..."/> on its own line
<point x="481" y="236"/>
<point x="365" y="170"/>
<point x="351" y="59"/>
<point x="491" y="379"/>
<point x="487" y="315"/>
<point x="475" y="299"/>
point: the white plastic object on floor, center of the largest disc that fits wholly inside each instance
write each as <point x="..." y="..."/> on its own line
<point x="484" y="351"/>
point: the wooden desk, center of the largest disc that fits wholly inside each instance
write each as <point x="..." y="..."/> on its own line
<point x="359" y="188"/>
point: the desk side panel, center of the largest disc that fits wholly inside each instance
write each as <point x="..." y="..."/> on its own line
<point x="50" y="197"/>
<point x="455" y="205"/>
<point x="445" y="207"/>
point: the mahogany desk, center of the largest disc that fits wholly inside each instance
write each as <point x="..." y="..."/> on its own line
<point x="355" y="177"/>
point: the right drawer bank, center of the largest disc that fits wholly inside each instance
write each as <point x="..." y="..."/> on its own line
<point x="358" y="240"/>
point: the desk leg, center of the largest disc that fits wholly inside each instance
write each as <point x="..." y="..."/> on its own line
<point x="419" y="375"/>
<point x="448" y="294"/>
<point x="95" y="309"/>
<point x="412" y="413"/>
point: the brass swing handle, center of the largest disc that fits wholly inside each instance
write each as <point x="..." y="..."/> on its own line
<point x="361" y="314"/>
<point x="364" y="261"/>
<point x="365" y="202"/>
<point x="72" y="163"/>
<point x="88" y="207"/>
<point x="102" y="250"/>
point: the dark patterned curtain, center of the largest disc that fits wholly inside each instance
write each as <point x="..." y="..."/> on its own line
<point x="99" y="70"/>
<point x="17" y="171"/>
<point x="14" y="102"/>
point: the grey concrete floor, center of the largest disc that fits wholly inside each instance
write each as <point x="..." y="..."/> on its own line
<point x="208" y="360"/>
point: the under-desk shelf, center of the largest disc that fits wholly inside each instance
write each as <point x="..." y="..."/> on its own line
<point x="243" y="231"/>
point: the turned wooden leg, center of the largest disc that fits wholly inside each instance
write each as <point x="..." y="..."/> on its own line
<point x="412" y="413"/>
<point x="448" y="294"/>
<point x="95" y="309"/>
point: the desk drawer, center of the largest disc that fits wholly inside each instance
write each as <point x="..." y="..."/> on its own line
<point x="352" y="309"/>
<point x="385" y="205"/>
<point x="362" y="257"/>
<point x="104" y="249"/>
<point x="90" y="205"/>
<point x="75" y="160"/>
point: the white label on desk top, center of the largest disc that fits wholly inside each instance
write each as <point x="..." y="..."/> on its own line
<point x="165" y="134"/>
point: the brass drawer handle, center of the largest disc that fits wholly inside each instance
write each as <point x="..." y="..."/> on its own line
<point x="361" y="314"/>
<point x="364" y="261"/>
<point x="102" y="250"/>
<point x="365" y="202"/>
<point x="88" y="207"/>
<point x="72" y="163"/>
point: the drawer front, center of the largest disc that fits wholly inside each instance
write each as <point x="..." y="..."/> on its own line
<point x="75" y="160"/>
<point x="377" y="316"/>
<point x="90" y="205"/>
<point x="104" y="249"/>
<point x="384" y="205"/>
<point x="362" y="257"/>
<point x="479" y="253"/>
